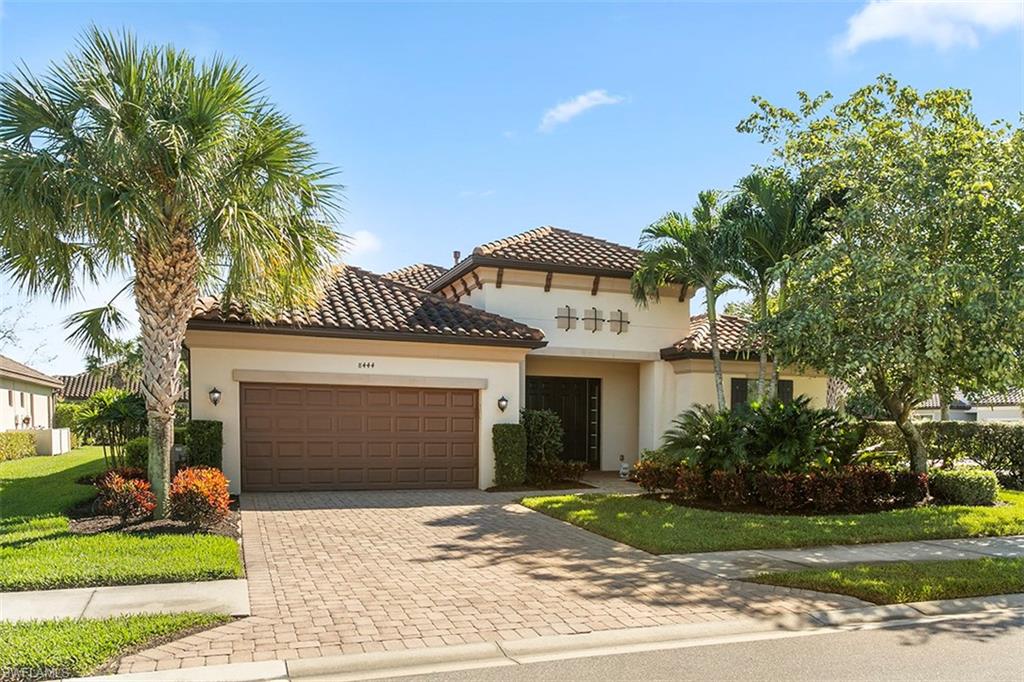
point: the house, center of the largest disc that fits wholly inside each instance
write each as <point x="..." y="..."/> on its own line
<point x="395" y="381"/>
<point x="27" y="397"/>
<point x="998" y="407"/>
<point x="80" y="387"/>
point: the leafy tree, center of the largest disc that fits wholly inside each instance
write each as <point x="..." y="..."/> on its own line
<point x="140" y="161"/>
<point x="694" y="251"/>
<point x="920" y="281"/>
<point x="111" y="417"/>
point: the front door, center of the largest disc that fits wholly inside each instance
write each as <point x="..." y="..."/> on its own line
<point x="578" y="403"/>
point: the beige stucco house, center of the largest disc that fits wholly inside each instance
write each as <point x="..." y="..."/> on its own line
<point x="1000" y="407"/>
<point x="26" y="404"/>
<point x="395" y="381"/>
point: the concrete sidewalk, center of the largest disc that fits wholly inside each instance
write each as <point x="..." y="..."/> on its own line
<point x="736" y="565"/>
<point x="230" y="597"/>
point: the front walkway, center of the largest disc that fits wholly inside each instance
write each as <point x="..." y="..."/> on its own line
<point x="340" y="573"/>
<point x="746" y="563"/>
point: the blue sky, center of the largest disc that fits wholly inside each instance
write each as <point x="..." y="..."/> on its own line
<point x="453" y="125"/>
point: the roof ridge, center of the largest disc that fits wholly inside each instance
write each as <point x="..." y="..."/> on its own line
<point x="522" y="237"/>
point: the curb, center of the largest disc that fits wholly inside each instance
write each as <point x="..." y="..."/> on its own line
<point x="555" y="647"/>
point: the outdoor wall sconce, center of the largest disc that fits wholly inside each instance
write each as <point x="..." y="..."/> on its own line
<point x="502" y="403"/>
<point x="215" y="396"/>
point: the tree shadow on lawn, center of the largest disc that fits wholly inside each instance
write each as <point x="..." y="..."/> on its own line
<point x="48" y="494"/>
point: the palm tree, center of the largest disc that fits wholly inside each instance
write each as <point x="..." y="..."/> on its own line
<point x="693" y="251"/>
<point x="776" y="218"/>
<point x="138" y="161"/>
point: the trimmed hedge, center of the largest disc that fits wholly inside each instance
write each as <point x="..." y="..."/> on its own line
<point x="990" y="445"/>
<point x="205" y="443"/>
<point x="544" y="434"/>
<point x="16" y="444"/>
<point x="509" y="454"/>
<point x="970" y="486"/>
<point x="136" y="452"/>
<point x="65" y="416"/>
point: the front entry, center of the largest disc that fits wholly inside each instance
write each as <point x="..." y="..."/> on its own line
<point x="578" y="403"/>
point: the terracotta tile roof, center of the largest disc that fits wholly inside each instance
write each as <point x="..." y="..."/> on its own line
<point x="552" y="249"/>
<point x="82" y="386"/>
<point x="15" y="370"/>
<point x="361" y="304"/>
<point x="418" y="275"/>
<point x="732" y="338"/>
<point x="1014" y="396"/>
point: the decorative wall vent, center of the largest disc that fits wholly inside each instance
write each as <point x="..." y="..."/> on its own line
<point x="592" y="320"/>
<point x="618" y="322"/>
<point x="566" y="318"/>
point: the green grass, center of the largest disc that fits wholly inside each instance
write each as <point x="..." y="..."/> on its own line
<point x="899" y="583"/>
<point x="665" y="528"/>
<point x="38" y="552"/>
<point x="54" y="649"/>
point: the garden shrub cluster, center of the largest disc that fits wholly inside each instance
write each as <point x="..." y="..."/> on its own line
<point x="16" y="444"/>
<point x="65" y="415"/>
<point x="544" y="445"/>
<point x="199" y="496"/>
<point x="205" y="440"/>
<point x="136" y="452"/>
<point x="783" y="457"/>
<point x="991" y="445"/>
<point x="968" y="485"/>
<point x="509" y="454"/>
<point x="125" y="493"/>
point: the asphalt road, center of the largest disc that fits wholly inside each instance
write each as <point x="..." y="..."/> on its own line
<point x="988" y="648"/>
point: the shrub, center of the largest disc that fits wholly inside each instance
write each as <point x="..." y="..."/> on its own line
<point x="780" y="492"/>
<point x="825" y="490"/>
<point x="64" y="417"/>
<point x="690" y="483"/>
<point x="136" y="452"/>
<point x="509" y="454"/>
<point x="544" y="434"/>
<point x="707" y="439"/>
<point x="909" y="488"/>
<point x="181" y="435"/>
<point x="126" y="497"/>
<point x="111" y="417"/>
<point x="728" y="487"/>
<point x="552" y="471"/>
<point x="653" y="475"/>
<point x="16" y="444"/>
<point x="199" y="496"/>
<point x="970" y="486"/>
<point x="797" y="437"/>
<point x="205" y="443"/>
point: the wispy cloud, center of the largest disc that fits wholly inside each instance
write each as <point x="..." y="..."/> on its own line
<point x="933" y="22"/>
<point x="360" y="244"/>
<point x="570" y="109"/>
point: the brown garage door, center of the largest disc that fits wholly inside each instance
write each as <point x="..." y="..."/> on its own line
<point x="298" y="437"/>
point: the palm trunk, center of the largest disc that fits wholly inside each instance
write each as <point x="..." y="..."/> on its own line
<point x="165" y="293"/>
<point x="783" y="281"/>
<point x="762" y="358"/>
<point x="716" y="355"/>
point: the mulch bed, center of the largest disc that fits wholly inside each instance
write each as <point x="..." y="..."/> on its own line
<point x="83" y="520"/>
<point x="561" y="485"/>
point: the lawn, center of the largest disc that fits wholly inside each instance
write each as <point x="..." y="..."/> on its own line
<point x="54" y="649"/>
<point x="665" y="528"/>
<point x="38" y="552"/>
<point x="899" y="583"/>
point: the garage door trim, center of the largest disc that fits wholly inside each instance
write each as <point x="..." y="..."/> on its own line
<point x="261" y="376"/>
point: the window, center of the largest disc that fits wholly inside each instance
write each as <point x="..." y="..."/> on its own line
<point x="744" y="390"/>
<point x="21" y="397"/>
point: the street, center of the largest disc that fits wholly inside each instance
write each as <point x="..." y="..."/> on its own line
<point x="986" y="648"/>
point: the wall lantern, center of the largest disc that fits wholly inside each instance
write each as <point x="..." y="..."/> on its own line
<point x="502" y="403"/>
<point x="215" y="395"/>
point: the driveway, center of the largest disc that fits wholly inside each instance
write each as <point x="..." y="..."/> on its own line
<point x="354" y="572"/>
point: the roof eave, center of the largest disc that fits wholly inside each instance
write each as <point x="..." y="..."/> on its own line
<point x="475" y="261"/>
<point x="671" y="353"/>
<point x="31" y="379"/>
<point x="326" y="332"/>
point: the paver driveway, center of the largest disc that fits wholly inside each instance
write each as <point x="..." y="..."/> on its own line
<point x="352" y="572"/>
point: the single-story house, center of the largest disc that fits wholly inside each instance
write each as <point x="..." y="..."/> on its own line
<point x="80" y="387"/>
<point x="26" y="396"/>
<point x="998" y="407"/>
<point x="395" y="381"/>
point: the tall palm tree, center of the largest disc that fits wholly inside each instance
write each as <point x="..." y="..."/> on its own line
<point x="138" y="161"/>
<point x="694" y="251"/>
<point x="776" y="218"/>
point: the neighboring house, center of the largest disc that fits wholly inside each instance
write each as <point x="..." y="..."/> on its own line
<point x="1000" y="407"/>
<point x="26" y="396"/>
<point x="79" y="387"/>
<point x="396" y="381"/>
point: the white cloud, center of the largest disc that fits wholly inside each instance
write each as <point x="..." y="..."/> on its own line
<point x="360" y="244"/>
<point x="929" y="22"/>
<point x="570" y="109"/>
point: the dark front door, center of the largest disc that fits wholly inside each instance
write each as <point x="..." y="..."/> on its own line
<point x="578" y="403"/>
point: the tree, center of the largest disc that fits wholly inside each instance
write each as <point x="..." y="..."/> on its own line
<point x="776" y="219"/>
<point x="919" y="282"/>
<point x="139" y="161"/>
<point x="694" y="251"/>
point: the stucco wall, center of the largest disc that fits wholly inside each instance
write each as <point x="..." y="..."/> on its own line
<point x="37" y="404"/>
<point x="695" y="382"/>
<point x="216" y="355"/>
<point x="619" y="400"/>
<point x="999" y="413"/>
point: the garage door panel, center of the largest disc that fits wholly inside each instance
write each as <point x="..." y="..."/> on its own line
<point x="349" y="437"/>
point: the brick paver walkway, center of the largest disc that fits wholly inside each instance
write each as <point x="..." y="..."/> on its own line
<point x="334" y="573"/>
